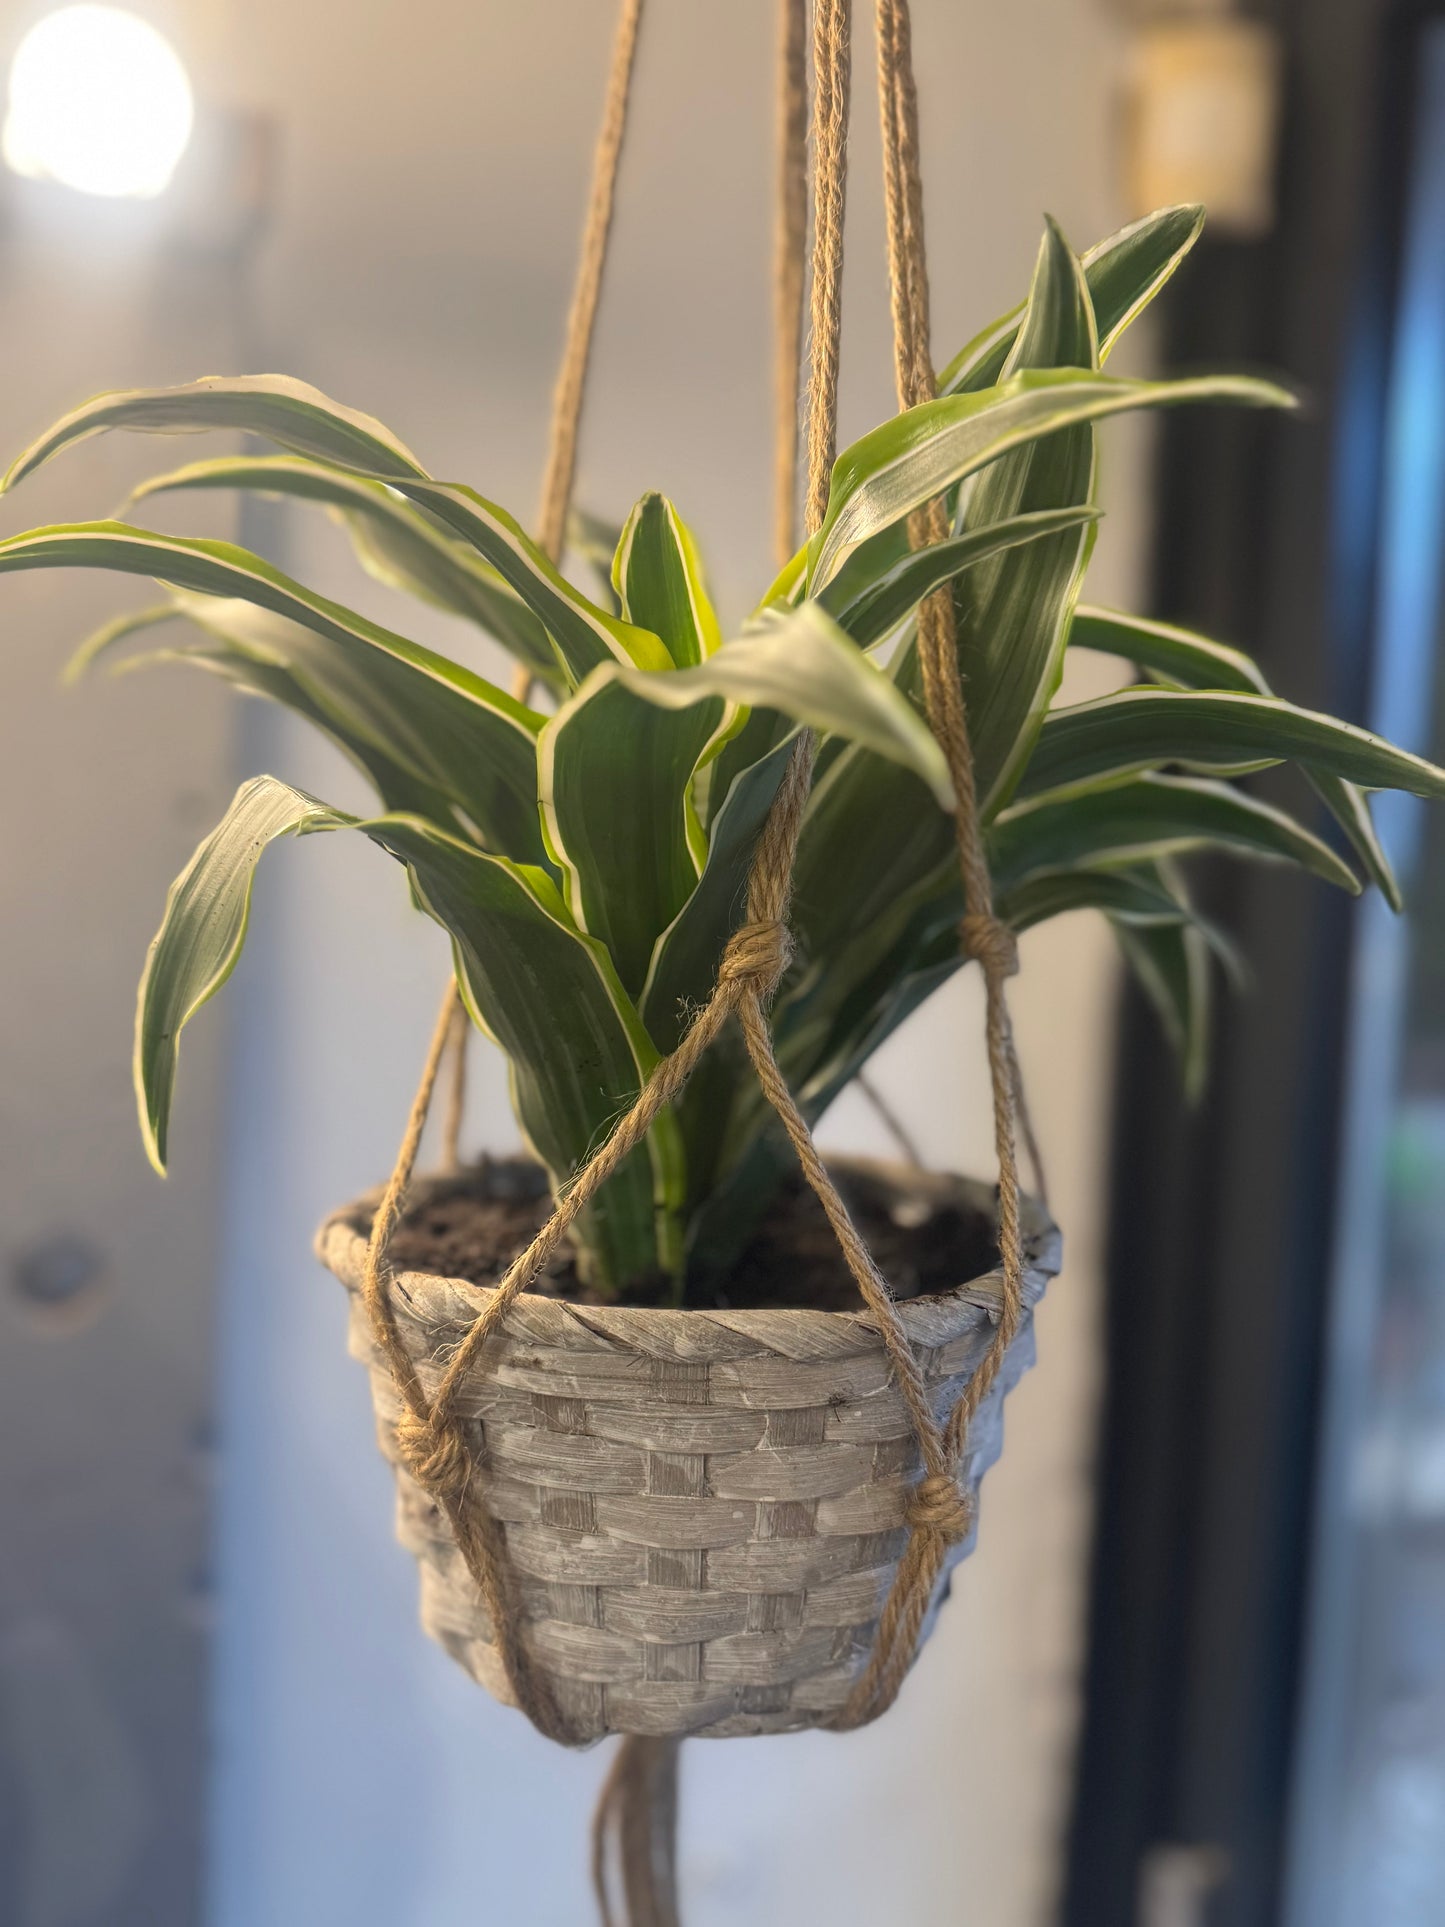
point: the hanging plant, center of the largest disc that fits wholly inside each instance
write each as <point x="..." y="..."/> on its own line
<point x="661" y="1478"/>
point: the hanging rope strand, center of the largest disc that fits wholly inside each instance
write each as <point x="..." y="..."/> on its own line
<point x="571" y="387"/>
<point x="790" y="239"/>
<point x="832" y="72"/>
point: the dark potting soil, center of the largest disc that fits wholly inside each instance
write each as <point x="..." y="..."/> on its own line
<point x="473" y="1226"/>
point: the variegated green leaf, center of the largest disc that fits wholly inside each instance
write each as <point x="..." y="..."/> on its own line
<point x="869" y="603"/>
<point x="685" y="959"/>
<point x="548" y="994"/>
<point x="1138" y="729"/>
<point x="616" y="787"/>
<point x="578" y="1051"/>
<point x="803" y="666"/>
<point x="290" y="413"/>
<point x="657" y="574"/>
<point x="241" y="660"/>
<point x="918" y="455"/>
<point x="303" y="420"/>
<point x="870" y="838"/>
<point x="1178" y="658"/>
<point x="583" y="634"/>
<point x="1147" y="818"/>
<point x="1132" y="896"/>
<point x="1012" y="613"/>
<point x="1124" y="274"/>
<point x="395" y="542"/>
<point x="1182" y="659"/>
<point x="202" y="933"/>
<point x="120" y="629"/>
<point x="1171" y="963"/>
<point x="452" y="728"/>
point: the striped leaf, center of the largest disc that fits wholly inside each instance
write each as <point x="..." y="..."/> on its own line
<point x="119" y="629"/>
<point x="685" y="958"/>
<point x="290" y="413"/>
<point x="1139" y="729"/>
<point x="1012" y="614"/>
<point x="1147" y="818"/>
<point x="1172" y="965"/>
<point x="241" y="660"/>
<point x="395" y="542"/>
<point x="583" y="634"/>
<point x="919" y="454"/>
<point x="1181" y="659"/>
<point x="804" y="667"/>
<point x="303" y="420"/>
<point x="548" y="994"/>
<point x="615" y="781"/>
<point x="1124" y="273"/>
<point x="451" y="728"/>
<point x="872" y="594"/>
<point x="202" y="933"/>
<point x="578" y="1052"/>
<point x="657" y="574"/>
<point x="1131" y="896"/>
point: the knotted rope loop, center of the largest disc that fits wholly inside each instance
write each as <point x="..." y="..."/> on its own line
<point x="937" y="1505"/>
<point x="757" y="955"/>
<point x="435" y="1455"/>
<point x="991" y="942"/>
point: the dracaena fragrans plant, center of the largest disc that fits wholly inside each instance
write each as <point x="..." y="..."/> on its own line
<point x="588" y="856"/>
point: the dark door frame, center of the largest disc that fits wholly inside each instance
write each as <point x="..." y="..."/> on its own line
<point x="1221" y="1219"/>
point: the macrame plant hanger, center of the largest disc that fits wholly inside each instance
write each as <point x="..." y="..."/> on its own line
<point x="638" y="1804"/>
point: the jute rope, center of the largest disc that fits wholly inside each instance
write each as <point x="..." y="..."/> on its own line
<point x="582" y="321"/>
<point x="790" y="237"/>
<point x="640" y="1792"/>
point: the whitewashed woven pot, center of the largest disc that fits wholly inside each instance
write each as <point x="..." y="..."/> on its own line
<point x="702" y="1509"/>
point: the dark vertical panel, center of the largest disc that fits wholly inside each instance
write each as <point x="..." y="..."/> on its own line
<point x="1220" y="1219"/>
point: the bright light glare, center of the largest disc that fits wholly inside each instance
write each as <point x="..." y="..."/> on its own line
<point x="98" y="101"/>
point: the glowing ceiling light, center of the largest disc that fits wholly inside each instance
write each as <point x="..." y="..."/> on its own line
<point x="98" y="101"/>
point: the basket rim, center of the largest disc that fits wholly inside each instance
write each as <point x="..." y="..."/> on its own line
<point x="434" y="1300"/>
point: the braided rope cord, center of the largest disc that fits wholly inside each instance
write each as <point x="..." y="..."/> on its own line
<point x="430" y="1435"/>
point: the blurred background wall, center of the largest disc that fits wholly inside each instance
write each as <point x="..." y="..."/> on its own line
<point x="430" y="170"/>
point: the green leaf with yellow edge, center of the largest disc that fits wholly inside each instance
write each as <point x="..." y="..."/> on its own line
<point x="657" y="574"/>
<point x="1172" y="965"/>
<point x="202" y="935"/>
<point x="1011" y="614"/>
<point x="1139" y="729"/>
<point x="547" y="993"/>
<point x="1147" y="818"/>
<point x="917" y="455"/>
<point x="1182" y="659"/>
<point x="291" y="413"/>
<point x="870" y="596"/>
<point x="801" y="664"/>
<point x="452" y="728"/>
<point x="1124" y="273"/>
<point x="395" y="542"/>
<point x="615" y="782"/>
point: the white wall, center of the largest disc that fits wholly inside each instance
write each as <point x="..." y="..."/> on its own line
<point x="435" y="161"/>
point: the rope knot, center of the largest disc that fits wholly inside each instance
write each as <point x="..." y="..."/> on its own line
<point x="991" y="942"/>
<point x="936" y="1505"/>
<point x="757" y="954"/>
<point x="435" y="1456"/>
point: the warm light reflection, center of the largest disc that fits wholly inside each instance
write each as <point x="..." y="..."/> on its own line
<point x="99" y="101"/>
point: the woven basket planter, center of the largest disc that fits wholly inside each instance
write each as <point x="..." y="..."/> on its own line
<point x="703" y="1510"/>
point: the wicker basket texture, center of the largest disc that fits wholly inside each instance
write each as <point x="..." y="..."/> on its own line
<point x="703" y="1510"/>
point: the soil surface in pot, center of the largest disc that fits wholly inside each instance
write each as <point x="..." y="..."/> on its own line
<point x="473" y="1226"/>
